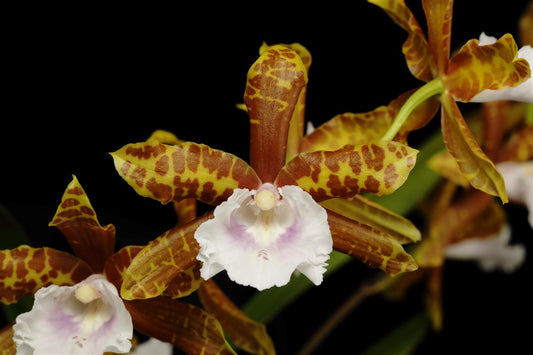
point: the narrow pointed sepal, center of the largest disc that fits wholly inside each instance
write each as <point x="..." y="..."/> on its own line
<point x="378" y="167"/>
<point x="372" y="214"/>
<point x="475" y="166"/>
<point x="188" y="170"/>
<point x="415" y="47"/>
<point x="164" y="258"/>
<point x="186" y="326"/>
<point x="247" y="334"/>
<point x="275" y="82"/>
<point x="76" y="219"/>
<point x="24" y="270"/>
<point x="369" y="245"/>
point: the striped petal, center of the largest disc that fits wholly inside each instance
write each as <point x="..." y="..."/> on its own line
<point x="76" y="219"/>
<point x="247" y="334"/>
<point x="372" y="214"/>
<point x="273" y="89"/>
<point x="297" y="122"/>
<point x="479" y="170"/>
<point x="24" y="270"/>
<point x="186" y="326"/>
<point x="369" y="245"/>
<point x="188" y="170"/>
<point x="377" y="167"/>
<point x="164" y="258"/>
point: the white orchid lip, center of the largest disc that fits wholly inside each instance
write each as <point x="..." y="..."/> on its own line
<point x="260" y="237"/>
<point x="88" y="318"/>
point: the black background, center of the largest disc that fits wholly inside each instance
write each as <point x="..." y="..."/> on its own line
<point x="80" y="82"/>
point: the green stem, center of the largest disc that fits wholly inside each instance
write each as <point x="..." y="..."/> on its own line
<point x="432" y="88"/>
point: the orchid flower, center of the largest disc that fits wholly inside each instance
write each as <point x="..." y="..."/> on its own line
<point x="491" y="253"/>
<point x="268" y="222"/>
<point x="87" y="318"/>
<point x="77" y="306"/>
<point x="466" y="74"/>
<point x="474" y="226"/>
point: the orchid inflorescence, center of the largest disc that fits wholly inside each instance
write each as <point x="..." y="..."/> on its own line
<point x="302" y="195"/>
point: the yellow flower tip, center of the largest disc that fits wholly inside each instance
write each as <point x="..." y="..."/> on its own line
<point x="86" y="293"/>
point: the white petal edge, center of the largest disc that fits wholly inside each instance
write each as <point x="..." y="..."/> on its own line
<point x="153" y="346"/>
<point x="232" y="241"/>
<point x="60" y="323"/>
<point x="518" y="178"/>
<point x="491" y="253"/>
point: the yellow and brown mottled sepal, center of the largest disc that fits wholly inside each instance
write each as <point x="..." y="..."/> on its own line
<point x="369" y="245"/>
<point x="415" y="47"/>
<point x="24" y="270"/>
<point x="273" y="89"/>
<point x="378" y="167"/>
<point x="187" y="170"/>
<point x="247" y="334"/>
<point x="376" y="216"/>
<point x="164" y="258"/>
<point x="475" y="166"/>
<point x="476" y="68"/>
<point x="76" y="219"/>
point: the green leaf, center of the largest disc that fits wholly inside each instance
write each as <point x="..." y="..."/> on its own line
<point x="404" y="339"/>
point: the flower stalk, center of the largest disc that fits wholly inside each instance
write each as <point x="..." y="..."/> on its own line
<point x="430" y="89"/>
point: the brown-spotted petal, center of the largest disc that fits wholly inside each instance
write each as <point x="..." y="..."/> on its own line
<point x="247" y="334"/>
<point x="369" y="245"/>
<point x="360" y="128"/>
<point x="76" y="219"/>
<point x="415" y="48"/>
<point x="185" y="282"/>
<point x="490" y="67"/>
<point x="186" y="326"/>
<point x="7" y="345"/>
<point x="24" y="270"/>
<point x="349" y="128"/>
<point x="273" y="89"/>
<point x="372" y="214"/>
<point x="378" y="167"/>
<point x="478" y="169"/>
<point x="188" y="170"/>
<point x="164" y="258"/>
